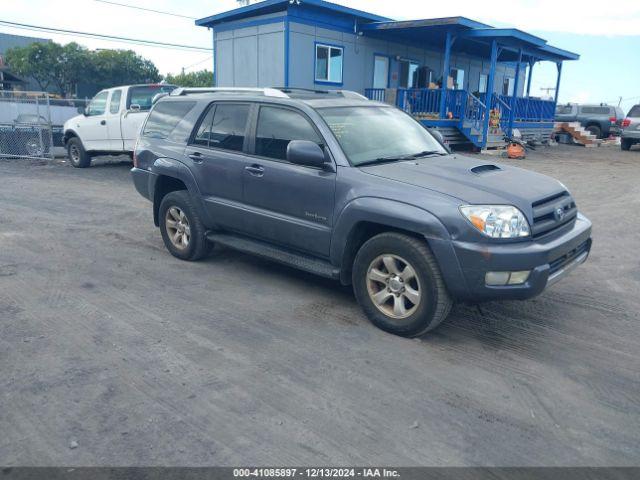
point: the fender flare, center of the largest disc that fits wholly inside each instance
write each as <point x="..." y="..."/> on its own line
<point x="67" y="134"/>
<point x="402" y="216"/>
<point x="169" y="167"/>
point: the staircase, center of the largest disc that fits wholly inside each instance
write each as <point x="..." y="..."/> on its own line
<point x="495" y="139"/>
<point x="578" y="133"/>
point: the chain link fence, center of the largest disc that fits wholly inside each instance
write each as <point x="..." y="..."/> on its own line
<point x="31" y="124"/>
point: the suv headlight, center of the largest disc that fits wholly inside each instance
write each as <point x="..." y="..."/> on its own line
<point x="497" y="221"/>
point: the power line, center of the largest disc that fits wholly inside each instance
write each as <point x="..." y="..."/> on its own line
<point x="147" y="9"/>
<point x="135" y="41"/>
<point x="198" y="63"/>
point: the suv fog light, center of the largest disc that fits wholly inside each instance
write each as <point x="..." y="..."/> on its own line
<point x="506" y="278"/>
<point x="518" y="278"/>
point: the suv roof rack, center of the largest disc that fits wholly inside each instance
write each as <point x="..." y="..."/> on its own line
<point x="280" y="92"/>
<point x="267" y="92"/>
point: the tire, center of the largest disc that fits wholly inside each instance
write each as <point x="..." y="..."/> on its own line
<point x="177" y="207"/>
<point x="594" y="130"/>
<point x="411" y="319"/>
<point x="625" y="144"/>
<point x="78" y="157"/>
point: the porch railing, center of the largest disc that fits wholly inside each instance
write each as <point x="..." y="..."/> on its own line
<point x="377" y="94"/>
<point x="503" y="108"/>
<point x="531" y="109"/>
<point x="425" y="103"/>
<point x="474" y="113"/>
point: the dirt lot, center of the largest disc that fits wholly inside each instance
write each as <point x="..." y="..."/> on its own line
<point x="108" y="341"/>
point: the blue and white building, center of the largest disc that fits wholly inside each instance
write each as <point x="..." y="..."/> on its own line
<point x="318" y="45"/>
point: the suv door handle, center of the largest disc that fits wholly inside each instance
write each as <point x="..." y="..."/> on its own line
<point x="255" y="170"/>
<point x="196" y="157"/>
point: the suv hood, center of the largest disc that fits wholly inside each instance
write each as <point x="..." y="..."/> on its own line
<point x="471" y="180"/>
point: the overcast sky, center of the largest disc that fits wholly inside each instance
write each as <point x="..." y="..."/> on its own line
<point x="606" y="35"/>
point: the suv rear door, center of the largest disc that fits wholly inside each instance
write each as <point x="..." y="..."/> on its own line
<point x="216" y="158"/>
<point x="291" y="205"/>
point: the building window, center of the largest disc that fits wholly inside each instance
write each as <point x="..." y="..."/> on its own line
<point x="380" y="72"/>
<point x="408" y="73"/>
<point x="482" y="83"/>
<point x="329" y="63"/>
<point x="457" y="74"/>
<point x="507" y="86"/>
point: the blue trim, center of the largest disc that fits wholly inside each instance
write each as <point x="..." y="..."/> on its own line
<point x="315" y="57"/>
<point x="446" y="69"/>
<point x="427" y="22"/>
<point x="270" y="6"/>
<point x="287" y="29"/>
<point x="319" y="23"/>
<point x="213" y="33"/>
<point x="490" y="91"/>
<point x="373" y="74"/>
<point x="253" y="23"/>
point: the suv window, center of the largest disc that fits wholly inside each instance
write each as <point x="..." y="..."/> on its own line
<point x="564" y="110"/>
<point x="635" y="111"/>
<point x="277" y="127"/>
<point x="596" y="110"/>
<point x="98" y="104"/>
<point x="224" y="126"/>
<point x="165" y="117"/>
<point x="114" y="104"/>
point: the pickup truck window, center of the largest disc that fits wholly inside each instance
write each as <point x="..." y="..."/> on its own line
<point x="277" y="127"/>
<point x="143" y="95"/>
<point x="114" y="103"/>
<point x="165" y="117"/>
<point x="368" y="134"/>
<point x="98" y="104"/>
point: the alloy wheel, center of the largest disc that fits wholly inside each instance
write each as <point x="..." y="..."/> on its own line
<point x="393" y="286"/>
<point x="178" y="228"/>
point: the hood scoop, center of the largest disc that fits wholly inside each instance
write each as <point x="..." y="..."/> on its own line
<point x="482" y="169"/>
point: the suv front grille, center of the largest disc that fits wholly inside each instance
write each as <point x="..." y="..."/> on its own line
<point x="552" y="213"/>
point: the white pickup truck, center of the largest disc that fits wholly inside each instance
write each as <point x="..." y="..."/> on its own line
<point x="111" y="122"/>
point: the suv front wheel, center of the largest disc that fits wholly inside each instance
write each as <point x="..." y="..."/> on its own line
<point x="182" y="230"/>
<point x="399" y="286"/>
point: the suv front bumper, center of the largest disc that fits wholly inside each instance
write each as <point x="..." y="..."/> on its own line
<point x="548" y="259"/>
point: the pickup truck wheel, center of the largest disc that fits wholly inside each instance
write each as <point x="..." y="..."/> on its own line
<point x="182" y="229"/>
<point x="399" y="286"/>
<point x="594" y="130"/>
<point x="625" y="144"/>
<point x="78" y="157"/>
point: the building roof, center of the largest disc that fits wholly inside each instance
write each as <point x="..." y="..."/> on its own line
<point x="471" y="36"/>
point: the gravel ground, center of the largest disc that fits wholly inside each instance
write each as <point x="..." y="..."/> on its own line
<point x="112" y="352"/>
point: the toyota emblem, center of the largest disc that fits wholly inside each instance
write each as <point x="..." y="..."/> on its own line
<point x="559" y="214"/>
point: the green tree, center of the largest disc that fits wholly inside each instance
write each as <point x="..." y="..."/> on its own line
<point x="202" y="78"/>
<point x="36" y="60"/>
<point x="122" y="67"/>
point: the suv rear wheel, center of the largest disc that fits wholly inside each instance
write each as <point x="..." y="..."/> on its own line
<point x="78" y="157"/>
<point x="398" y="284"/>
<point x="626" y="144"/>
<point x="182" y="230"/>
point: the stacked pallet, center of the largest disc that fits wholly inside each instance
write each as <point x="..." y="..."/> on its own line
<point x="578" y="133"/>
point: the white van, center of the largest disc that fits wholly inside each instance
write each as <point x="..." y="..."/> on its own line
<point x="111" y="122"/>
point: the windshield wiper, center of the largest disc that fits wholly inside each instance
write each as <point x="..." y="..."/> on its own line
<point x="427" y="153"/>
<point x="397" y="158"/>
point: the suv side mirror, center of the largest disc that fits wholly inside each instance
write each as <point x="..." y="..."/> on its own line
<point x="305" y="152"/>
<point x="134" y="107"/>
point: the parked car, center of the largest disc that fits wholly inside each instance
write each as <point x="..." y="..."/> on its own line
<point x="631" y="128"/>
<point x="110" y="123"/>
<point x="28" y="135"/>
<point x="600" y="120"/>
<point x="357" y="191"/>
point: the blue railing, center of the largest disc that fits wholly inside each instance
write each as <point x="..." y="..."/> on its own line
<point x="377" y="94"/>
<point x="421" y="102"/>
<point x="531" y="109"/>
<point x="500" y="105"/>
<point x="474" y="112"/>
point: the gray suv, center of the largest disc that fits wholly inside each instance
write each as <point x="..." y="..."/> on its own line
<point x="631" y="129"/>
<point x="357" y="191"/>
<point x="599" y="120"/>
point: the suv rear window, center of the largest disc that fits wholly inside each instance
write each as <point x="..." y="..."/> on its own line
<point x="634" y="112"/>
<point x="143" y="95"/>
<point x="165" y="117"/>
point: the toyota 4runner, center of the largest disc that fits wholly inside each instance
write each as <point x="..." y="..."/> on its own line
<point x="357" y="191"/>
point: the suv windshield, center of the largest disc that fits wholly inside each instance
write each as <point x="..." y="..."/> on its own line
<point x="372" y="134"/>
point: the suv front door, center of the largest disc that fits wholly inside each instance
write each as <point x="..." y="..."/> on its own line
<point x="291" y="205"/>
<point x="216" y="158"/>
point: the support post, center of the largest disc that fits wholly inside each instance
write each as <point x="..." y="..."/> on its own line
<point x="531" y="64"/>
<point x="514" y="97"/>
<point x="490" y="81"/>
<point x="287" y="48"/>
<point x="559" y="66"/>
<point x="445" y="75"/>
